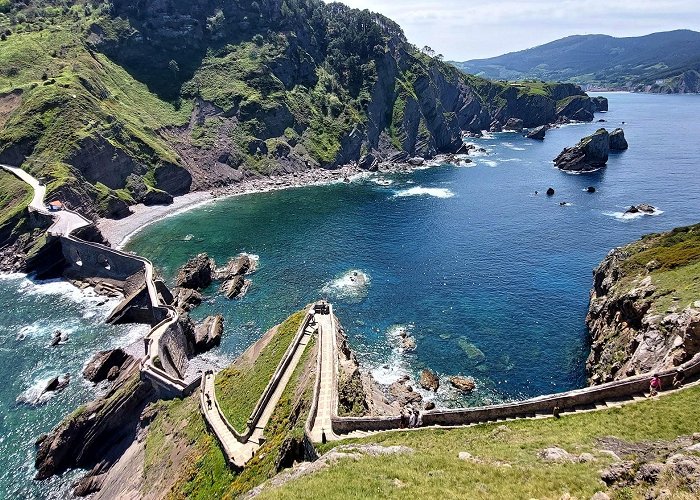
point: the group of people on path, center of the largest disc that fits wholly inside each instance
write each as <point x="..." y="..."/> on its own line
<point x="655" y="382"/>
<point x="411" y="417"/>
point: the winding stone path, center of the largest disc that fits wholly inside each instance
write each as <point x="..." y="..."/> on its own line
<point x="65" y="221"/>
<point x="238" y="448"/>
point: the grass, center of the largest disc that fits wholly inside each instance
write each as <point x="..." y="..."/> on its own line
<point x="238" y="388"/>
<point x="184" y="460"/>
<point x="15" y="196"/>
<point x="434" y="470"/>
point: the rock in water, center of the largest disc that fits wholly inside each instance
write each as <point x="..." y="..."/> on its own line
<point x="404" y="394"/>
<point x="186" y="299"/>
<point x="464" y="384"/>
<point x="550" y="192"/>
<point x="102" y="363"/>
<point x="234" y="288"/>
<point x="537" y="133"/>
<point x="239" y="265"/>
<point x="208" y="334"/>
<point x="600" y="103"/>
<point x="429" y="380"/>
<point x="196" y="273"/>
<point x="617" y="140"/>
<point x="590" y="189"/>
<point x="591" y="153"/>
<point x="642" y="207"/>
<point x="514" y="124"/>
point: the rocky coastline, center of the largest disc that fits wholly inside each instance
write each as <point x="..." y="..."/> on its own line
<point x="644" y="312"/>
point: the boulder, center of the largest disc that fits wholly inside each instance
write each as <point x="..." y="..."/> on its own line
<point x="367" y="162"/>
<point x="237" y="266"/>
<point x="186" y="299"/>
<point x="429" y="380"/>
<point x="550" y="192"/>
<point x="157" y="197"/>
<point x="464" y="384"/>
<point x="235" y="287"/>
<point x="408" y="343"/>
<point x="620" y="473"/>
<point x="514" y="124"/>
<point x="537" y="133"/>
<point x="590" y="189"/>
<point x="429" y="406"/>
<point x="416" y="161"/>
<point x="617" y="140"/>
<point x="196" y="273"/>
<point x="404" y="394"/>
<point x="591" y="153"/>
<point x="556" y="454"/>
<point x="208" y="333"/>
<point x="99" y="368"/>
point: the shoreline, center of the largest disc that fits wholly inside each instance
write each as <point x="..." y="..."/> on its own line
<point x="118" y="232"/>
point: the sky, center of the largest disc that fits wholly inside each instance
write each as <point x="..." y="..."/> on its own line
<point x="471" y="29"/>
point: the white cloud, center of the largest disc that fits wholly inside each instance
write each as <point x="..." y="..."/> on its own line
<point x="482" y="28"/>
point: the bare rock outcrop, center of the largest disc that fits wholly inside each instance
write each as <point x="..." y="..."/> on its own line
<point x="537" y="133"/>
<point x="617" y="140"/>
<point x="591" y="153"/>
<point x="197" y="273"/>
<point x="86" y="436"/>
<point x="105" y="365"/>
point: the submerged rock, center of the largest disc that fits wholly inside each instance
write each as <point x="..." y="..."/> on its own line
<point x="642" y="207"/>
<point x="591" y="153"/>
<point x="429" y="380"/>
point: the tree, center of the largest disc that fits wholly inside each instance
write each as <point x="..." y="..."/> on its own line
<point x="428" y="51"/>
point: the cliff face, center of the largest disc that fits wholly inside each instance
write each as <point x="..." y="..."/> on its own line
<point x="644" y="313"/>
<point x="136" y="102"/>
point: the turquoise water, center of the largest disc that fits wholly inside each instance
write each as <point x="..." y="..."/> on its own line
<point x="490" y="279"/>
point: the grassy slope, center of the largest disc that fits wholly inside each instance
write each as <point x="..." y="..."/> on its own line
<point x="678" y="274"/>
<point x="203" y="473"/>
<point x="239" y="388"/>
<point x="15" y="196"/>
<point x="70" y="94"/>
<point x="434" y="470"/>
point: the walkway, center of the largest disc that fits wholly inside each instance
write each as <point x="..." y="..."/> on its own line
<point x="327" y="398"/>
<point x="241" y="448"/>
<point x="65" y="221"/>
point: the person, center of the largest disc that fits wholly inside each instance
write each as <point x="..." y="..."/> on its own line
<point x="654" y="385"/>
<point x="404" y="418"/>
<point x="679" y="378"/>
<point x="208" y="402"/>
<point x="419" y="418"/>
<point x="412" y="420"/>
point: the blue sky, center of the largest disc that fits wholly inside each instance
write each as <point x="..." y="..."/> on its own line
<point x="472" y="29"/>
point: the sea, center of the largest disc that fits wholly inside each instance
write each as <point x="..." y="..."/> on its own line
<point x="489" y="275"/>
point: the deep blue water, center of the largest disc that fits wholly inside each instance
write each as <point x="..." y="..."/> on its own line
<point x="491" y="279"/>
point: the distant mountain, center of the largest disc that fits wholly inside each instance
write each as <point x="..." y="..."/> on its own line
<point x="666" y="62"/>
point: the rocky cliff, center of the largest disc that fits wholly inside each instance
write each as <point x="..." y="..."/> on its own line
<point x="135" y="102"/>
<point x="644" y="313"/>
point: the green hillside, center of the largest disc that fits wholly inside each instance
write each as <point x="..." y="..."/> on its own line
<point x="660" y="62"/>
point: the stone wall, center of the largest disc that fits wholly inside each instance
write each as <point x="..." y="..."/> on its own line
<point x="91" y="260"/>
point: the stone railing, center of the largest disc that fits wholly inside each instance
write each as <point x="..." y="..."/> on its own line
<point x="586" y="397"/>
<point x="215" y="403"/>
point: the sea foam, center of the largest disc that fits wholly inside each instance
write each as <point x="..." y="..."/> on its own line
<point x="423" y="191"/>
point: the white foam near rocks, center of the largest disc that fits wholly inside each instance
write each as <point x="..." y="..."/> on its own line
<point x="626" y="216"/>
<point x="351" y="285"/>
<point x="423" y="191"/>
